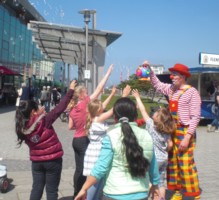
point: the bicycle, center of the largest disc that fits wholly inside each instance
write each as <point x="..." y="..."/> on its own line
<point x="64" y="116"/>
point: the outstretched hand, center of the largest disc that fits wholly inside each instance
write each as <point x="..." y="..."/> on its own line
<point x="101" y="84"/>
<point x="154" y="193"/>
<point x="73" y="84"/>
<point x="135" y="93"/>
<point x="147" y="63"/>
<point x="140" y="105"/>
<point x="126" y="91"/>
<point x="114" y="89"/>
<point x="41" y="110"/>
<point x="110" y="69"/>
<point x="183" y="146"/>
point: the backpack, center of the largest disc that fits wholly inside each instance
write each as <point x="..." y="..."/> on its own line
<point x="56" y="95"/>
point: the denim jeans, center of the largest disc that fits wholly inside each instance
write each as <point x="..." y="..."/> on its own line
<point x="46" y="173"/>
<point x="215" y="122"/>
<point x="80" y="146"/>
<point x="95" y="191"/>
<point x="46" y="104"/>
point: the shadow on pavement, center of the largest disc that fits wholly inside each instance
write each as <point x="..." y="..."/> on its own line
<point x="205" y="122"/>
<point x="66" y="198"/>
<point x="7" y="108"/>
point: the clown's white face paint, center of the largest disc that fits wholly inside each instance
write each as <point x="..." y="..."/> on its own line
<point x="177" y="79"/>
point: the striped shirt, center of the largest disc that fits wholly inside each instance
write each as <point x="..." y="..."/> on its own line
<point x="189" y="104"/>
<point x="97" y="132"/>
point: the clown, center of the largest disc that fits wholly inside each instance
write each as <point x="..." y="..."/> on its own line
<point x="185" y="106"/>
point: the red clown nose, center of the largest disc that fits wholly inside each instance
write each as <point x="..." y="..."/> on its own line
<point x="171" y="76"/>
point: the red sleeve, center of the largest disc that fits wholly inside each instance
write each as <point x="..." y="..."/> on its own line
<point x="140" y="122"/>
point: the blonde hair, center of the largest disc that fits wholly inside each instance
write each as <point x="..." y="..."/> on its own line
<point x="94" y="107"/>
<point x="165" y="122"/>
<point x="78" y="90"/>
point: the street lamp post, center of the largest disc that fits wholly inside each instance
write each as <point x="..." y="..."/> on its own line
<point x="87" y="14"/>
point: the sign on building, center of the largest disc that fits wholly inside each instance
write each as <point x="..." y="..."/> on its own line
<point x="158" y="69"/>
<point x="209" y="59"/>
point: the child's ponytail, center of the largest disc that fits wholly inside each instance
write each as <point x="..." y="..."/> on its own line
<point x="125" y="111"/>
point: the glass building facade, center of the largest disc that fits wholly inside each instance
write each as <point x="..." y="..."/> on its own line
<point x="18" y="51"/>
<point x="17" y="48"/>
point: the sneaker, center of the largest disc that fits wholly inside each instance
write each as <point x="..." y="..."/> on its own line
<point x="213" y="128"/>
<point x="210" y="128"/>
<point x="177" y="196"/>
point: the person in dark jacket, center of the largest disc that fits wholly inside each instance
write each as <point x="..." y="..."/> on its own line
<point x="34" y="127"/>
<point x="24" y="92"/>
<point x="55" y="96"/>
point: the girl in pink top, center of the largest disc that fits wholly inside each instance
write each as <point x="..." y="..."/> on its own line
<point x="77" y="121"/>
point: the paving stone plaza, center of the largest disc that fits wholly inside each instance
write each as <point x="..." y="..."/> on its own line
<point x="19" y="170"/>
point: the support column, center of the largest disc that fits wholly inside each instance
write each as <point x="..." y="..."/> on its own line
<point x="68" y="75"/>
<point x="81" y="74"/>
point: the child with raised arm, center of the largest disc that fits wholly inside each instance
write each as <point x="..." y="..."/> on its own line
<point x="160" y="127"/>
<point x="96" y="128"/>
<point x="126" y="160"/>
<point x="34" y="127"/>
<point x="77" y="121"/>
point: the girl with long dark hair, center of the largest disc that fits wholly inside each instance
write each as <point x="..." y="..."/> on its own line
<point x="34" y="127"/>
<point x="127" y="158"/>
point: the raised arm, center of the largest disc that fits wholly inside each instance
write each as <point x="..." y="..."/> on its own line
<point x="141" y="107"/>
<point x="100" y="86"/>
<point x="55" y="113"/>
<point x="164" y="88"/>
<point x="108" y="99"/>
<point x="126" y="91"/>
<point x="105" y="115"/>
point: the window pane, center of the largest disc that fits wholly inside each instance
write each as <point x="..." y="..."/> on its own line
<point x="4" y="55"/>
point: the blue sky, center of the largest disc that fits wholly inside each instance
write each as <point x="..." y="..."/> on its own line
<point x="161" y="31"/>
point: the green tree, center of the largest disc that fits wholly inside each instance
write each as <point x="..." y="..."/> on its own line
<point x="134" y="82"/>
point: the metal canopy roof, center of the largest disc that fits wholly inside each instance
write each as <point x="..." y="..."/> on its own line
<point x="66" y="43"/>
